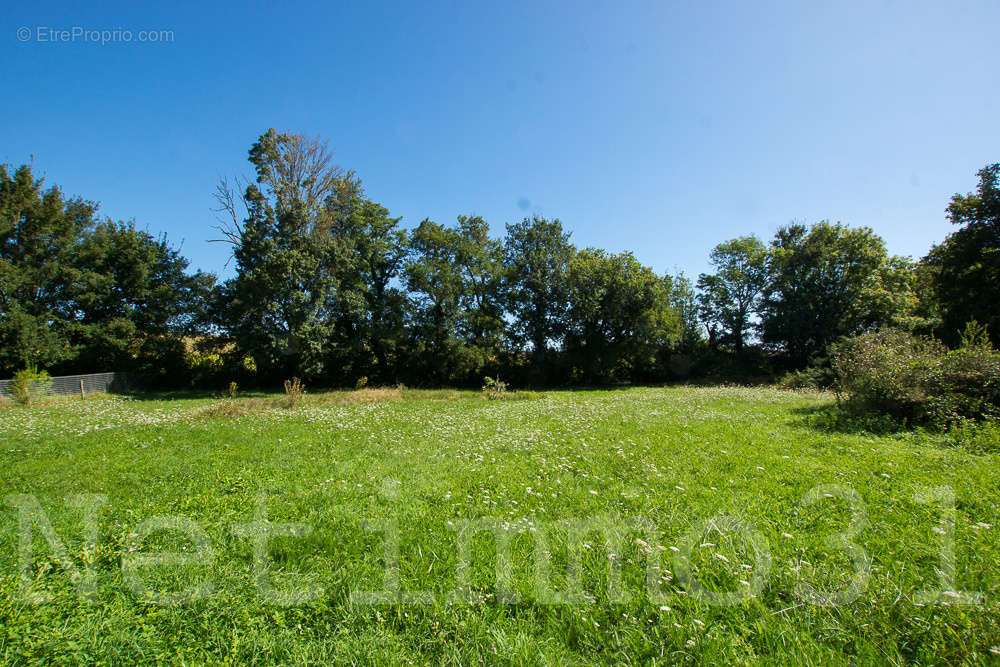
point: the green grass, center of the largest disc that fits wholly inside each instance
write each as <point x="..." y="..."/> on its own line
<point x="672" y="458"/>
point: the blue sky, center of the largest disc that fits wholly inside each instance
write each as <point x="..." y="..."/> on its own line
<point x="661" y="128"/>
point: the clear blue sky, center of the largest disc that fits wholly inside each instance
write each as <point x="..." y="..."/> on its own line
<point x="657" y="127"/>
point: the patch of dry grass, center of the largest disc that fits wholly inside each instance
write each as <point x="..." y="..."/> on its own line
<point x="230" y="408"/>
<point x="356" y="396"/>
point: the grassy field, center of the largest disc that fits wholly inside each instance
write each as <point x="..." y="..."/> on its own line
<point x="647" y="525"/>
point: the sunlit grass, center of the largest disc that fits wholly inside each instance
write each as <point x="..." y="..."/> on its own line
<point x="647" y="469"/>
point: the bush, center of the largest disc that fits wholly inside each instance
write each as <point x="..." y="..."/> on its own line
<point x="968" y="383"/>
<point x="816" y="376"/>
<point x="30" y="384"/>
<point x="982" y="438"/>
<point x="494" y="388"/>
<point x="887" y="372"/>
<point x="916" y="379"/>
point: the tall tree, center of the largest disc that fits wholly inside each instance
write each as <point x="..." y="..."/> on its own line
<point x="731" y="296"/>
<point x="281" y="306"/>
<point x="126" y="273"/>
<point x="480" y="261"/>
<point x="537" y="254"/>
<point x="821" y="287"/>
<point x="619" y="317"/>
<point x="372" y="307"/>
<point x="78" y="295"/>
<point x="434" y="280"/>
<point x="966" y="266"/>
<point x="134" y="300"/>
<point x="39" y="229"/>
<point x="682" y="298"/>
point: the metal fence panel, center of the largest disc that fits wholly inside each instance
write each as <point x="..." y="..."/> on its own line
<point x="91" y="383"/>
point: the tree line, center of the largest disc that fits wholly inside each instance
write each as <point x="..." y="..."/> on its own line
<point x="330" y="287"/>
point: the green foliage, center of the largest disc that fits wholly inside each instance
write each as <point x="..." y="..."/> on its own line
<point x="81" y="295"/>
<point x="232" y="390"/>
<point x="436" y="285"/>
<point x="915" y="379"/>
<point x="965" y="268"/>
<point x="289" y="258"/>
<point x="39" y="232"/>
<point x="683" y="299"/>
<point x="821" y="287"/>
<point x="329" y="287"/>
<point x="813" y="377"/>
<point x="537" y="253"/>
<point x="135" y="277"/>
<point x="888" y="372"/>
<point x="731" y="297"/>
<point x="494" y="388"/>
<point x="978" y="437"/>
<point x="371" y="310"/>
<point x="968" y="384"/>
<point x="619" y="317"/>
<point x="480" y="263"/>
<point x="30" y="384"/>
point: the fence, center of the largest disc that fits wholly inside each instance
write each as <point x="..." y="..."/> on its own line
<point x="93" y="383"/>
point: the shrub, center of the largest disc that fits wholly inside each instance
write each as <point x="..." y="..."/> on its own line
<point x="232" y="390"/>
<point x="968" y="383"/>
<point x="982" y="438"/>
<point x="886" y="372"/>
<point x="494" y="388"/>
<point x="816" y="376"/>
<point x="30" y="384"/>
<point x="361" y="383"/>
<point x="916" y="379"/>
<point x="294" y="391"/>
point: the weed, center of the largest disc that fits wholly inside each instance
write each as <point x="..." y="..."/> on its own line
<point x="294" y="391"/>
<point x="494" y="388"/>
<point x="30" y="385"/>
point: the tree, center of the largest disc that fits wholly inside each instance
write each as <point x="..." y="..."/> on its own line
<point x="126" y="273"/>
<point x="130" y="288"/>
<point x="372" y="310"/>
<point x="619" y="317"/>
<point x="682" y="298"/>
<point x="480" y="262"/>
<point x="966" y="266"/>
<point x="731" y="297"/>
<point x="38" y="231"/>
<point x="80" y="295"/>
<point x="821" y="287"/>
<point x="537" y="253"/>
<point x="434" y="280"/>
<point x="902" y="292"/>
<point x="281" y="306"/>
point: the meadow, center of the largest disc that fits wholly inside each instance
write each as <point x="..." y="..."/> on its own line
<point x="392" y="526"/>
